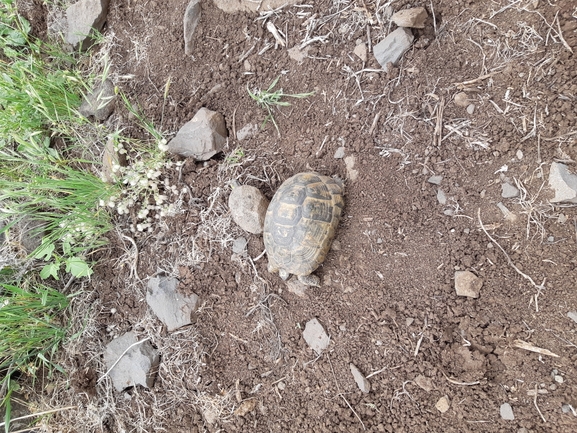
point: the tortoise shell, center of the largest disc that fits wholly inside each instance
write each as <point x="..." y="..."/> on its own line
<point x="301" y="222"/>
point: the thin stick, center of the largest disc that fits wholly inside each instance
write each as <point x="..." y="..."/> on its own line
<point x="120" y="357"/>
<point x="454" y="382"/>
<point x="535" y="403"/>
<point x="476" y="80"/>
<point x="509" y="261"/>
<point x="234" y="124"/>
<point x="341" y="394"/>
<point x="571" y="50"/>
<point x="32" y="415"/>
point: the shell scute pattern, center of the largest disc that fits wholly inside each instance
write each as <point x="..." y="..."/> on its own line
<point x="301" y="223"/>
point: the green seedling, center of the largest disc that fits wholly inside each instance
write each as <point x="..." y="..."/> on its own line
<point x="268" y="99"/>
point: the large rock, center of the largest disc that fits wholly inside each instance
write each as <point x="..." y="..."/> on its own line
<point x="232" y="6"/>
<point x="100" y="102"/>
<point x="202" y="137"/>
<point x="413" y="17"/>
<point x="248" y="208"/>
<point x="191" y="19"/>
<point x="172" y="308"/>
<point x="315" y="336"/>
<point x="563" y="183"/>
<point x="84" y="17"/>
<point x="136" y="367"/>
<point x="392" y="48"/>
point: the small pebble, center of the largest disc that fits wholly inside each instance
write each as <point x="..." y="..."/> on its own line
<point x="435" y="180"/>
<point x="471" y="108"/>
<point x="572" y="315"/>
<point x="559" y="379"/>
<point x="519" y="154"/>
<point x="507" y="412"/>
<point x="441" y="197"/>
<point x="551" y="239"/>
<point x="443" y="404"/>
<point x="340" y="153"/>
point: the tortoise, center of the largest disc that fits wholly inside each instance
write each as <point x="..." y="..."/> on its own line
<point x="300" y="224"/>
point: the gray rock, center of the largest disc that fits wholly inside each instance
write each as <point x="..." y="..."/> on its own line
<point x="470" y="108"/>
<point x="435" y="180"/>
<point x="251" y="6"/>
<point x="362" y="382"/>
<point x="172" y="308"/>
<point x="340" y="153"/>
<point x="572" y="315"/>
<point x="441" y="197"/>
<point x="425" y="383"/>
<point x="414" y="17"/>
<point x="191" y="19"/>
<point x="352" y="173"/>
<point x="247" y="131"/>
<point x="202" y="137"/>
<point x="461" y="99"/>
<point x="443" y="404"/>
<point x="509" y="191"/>
<point x="361" y="51"/>
<point x="298" y="54"/>
<point x="506" y="412"/>
<point x="393" y="46"/>
<point x="111" y="158"/>
<point x="239" y="245"/>
<point x="84" y="17"/>
<point x="563" y="183"/>
<point x="136" y="367"/>
<point x="467" y="284"/>
<point x="248" y="208"/>
<point x="315" y="336"/>
<point x="100" y="102"/>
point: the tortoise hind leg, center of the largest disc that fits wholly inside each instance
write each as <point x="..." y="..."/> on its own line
<point x="310" y="280"/>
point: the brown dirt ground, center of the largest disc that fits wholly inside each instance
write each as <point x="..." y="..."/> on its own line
<point x="388" y="299"/>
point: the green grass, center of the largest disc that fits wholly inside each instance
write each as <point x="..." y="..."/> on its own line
<point x="268" y="99"/>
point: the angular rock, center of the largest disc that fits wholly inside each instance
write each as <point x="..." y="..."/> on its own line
<point x="392" y="48"/>
<point x="191" y="19"/>
<point x="136" y="367"/>
<point x="340" y="153"/>
<point x="441" y="197"/>
<point x="435" y="180"/>
<point x="247" y="131"/>
<point x="315" y="336"/>
<point x="100" y="102"/>
<point x="202" y="137"/>
<point x="470" y="108"/>
<point x="362" y="382"/>
<point x="572" y="315"/>
<point x="425" y="383"/>
<point x="171" y="307"/>
<point x="414" y="17"/>
<point x="248" y="208"/>
<point x="563" y="183"/>
<point x="111" y="158"/>
<point x="85" y="17"/>
<point x="467" y="284"/>
<point x="509" y="191"/>
<point x="352" y="173"/>
<point x="298" y="54"/>
<point x="443" y="404"/>
<point x="506" y="412"/>
<point x="251" y="6"/>
<point x="361" y="51"/>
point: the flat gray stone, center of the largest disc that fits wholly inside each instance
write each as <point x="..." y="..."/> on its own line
<point x="191" y="19"/>
<point x="443" y="404"/>
<point x="232" y="6"/>
<point x="467" y="284"/>
<point x="435" y="180"/>
<point x="100" y="102"/>
<point x="110" y="159"/>
<point x="136" y="367"/>
<point x="509" y="191"/>
<point x="202" y="137"/>
<point x="239" y="245"/>
<point x="171" y="307"/>
<point x="362" y="382"/>
<point x="247" y="131"/>
<point x="413" y="17"/>
<point x="361" y="51"/>
<point x="340" y="153"/>
<point x="392" y="48"/>
<point x="248" y="208"/>
<point x="425" y="383"/>
<point x="315" y="336"/>
<point x="84" y="17"/>
<point x="572" y="315"/>
<point x="563" y="183"/>
<point x="441" y="197"/>
<point x="506" y="412"/>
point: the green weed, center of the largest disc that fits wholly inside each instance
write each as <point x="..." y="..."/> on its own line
<point x="268" y="99"/>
